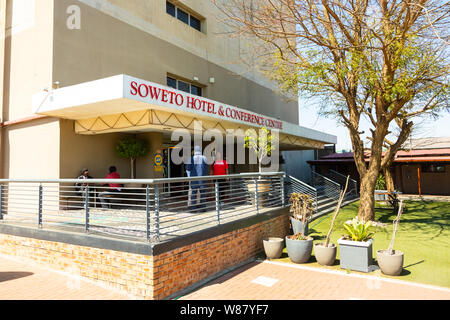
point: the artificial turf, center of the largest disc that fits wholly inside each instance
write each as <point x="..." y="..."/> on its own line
<point x="422" y="235"/>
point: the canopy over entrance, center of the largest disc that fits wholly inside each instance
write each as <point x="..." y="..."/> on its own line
<point x="124" y="103"/>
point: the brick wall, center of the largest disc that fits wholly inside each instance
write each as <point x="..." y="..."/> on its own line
<point x="146" y="276"/>
<point x="182" y="267"/>
<point x="120" y="270"/>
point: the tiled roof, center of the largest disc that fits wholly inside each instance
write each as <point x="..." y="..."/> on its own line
<point x="440" y="154"/>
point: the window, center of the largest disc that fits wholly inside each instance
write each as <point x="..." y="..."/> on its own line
<point x="433" y="168"/>
<point x="183" y="16"/>
<point x="171" y="82"/>
<point x="170" y="9"/>
<point x="195" y="23"/>
<point x="196" y="90"/>
<point x="184" y="86"/>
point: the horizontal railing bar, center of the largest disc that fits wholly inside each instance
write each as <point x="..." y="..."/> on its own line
<point x="142" y="181"/>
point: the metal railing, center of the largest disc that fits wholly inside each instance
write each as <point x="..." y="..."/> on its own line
<point x="151" y="210"/>
<point x="342" y="179"/>
<point x="325" y="186"/>
<point x="296" y="185"/>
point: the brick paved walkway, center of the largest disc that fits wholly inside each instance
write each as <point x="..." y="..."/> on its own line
<point x="278" y="281"/>
<point x="23" y="280"/>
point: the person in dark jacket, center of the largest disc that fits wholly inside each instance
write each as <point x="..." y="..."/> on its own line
<point x="198" y="168"/>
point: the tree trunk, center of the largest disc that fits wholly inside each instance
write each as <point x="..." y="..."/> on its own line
<point x="389" y="180"/>
<point x="132" y="168"/>
<point x="367" y="197"/>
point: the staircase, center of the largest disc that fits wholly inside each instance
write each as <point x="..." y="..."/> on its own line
<point x="352" y="188"/>
<point x="324" y="191"/>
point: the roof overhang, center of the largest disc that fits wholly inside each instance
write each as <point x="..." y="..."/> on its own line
<point x="125" y="103"/>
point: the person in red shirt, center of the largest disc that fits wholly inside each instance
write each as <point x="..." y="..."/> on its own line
<point x="113" y="175"/>
<point x="113" y="187"/>
<point x="220" y="168"/>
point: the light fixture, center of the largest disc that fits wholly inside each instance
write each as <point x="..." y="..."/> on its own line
<point x="56" y="84"/>
<point x="212" y="80"/>
<point x="195" y="78"/>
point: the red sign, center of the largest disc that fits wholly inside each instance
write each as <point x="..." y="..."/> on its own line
<point x="147" y="91"/>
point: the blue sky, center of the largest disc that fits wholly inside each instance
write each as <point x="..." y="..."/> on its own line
<point x="309" y="118"/>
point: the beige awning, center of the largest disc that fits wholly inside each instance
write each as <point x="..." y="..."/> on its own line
<point x="123" y="103"/>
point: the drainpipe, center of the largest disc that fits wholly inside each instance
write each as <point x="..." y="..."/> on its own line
<point x="418" y="181"/>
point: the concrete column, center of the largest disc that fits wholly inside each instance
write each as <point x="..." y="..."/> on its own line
<point x="145" y="165"/>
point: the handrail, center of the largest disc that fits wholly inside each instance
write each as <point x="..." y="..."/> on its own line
<point x="303" y="183"/>
<point x="329" y="180"/>
<point x="353" y="181"/>
<point x="311" y="191"/>
<point x="153" y="212"/>
<point x="340" y="174"/>
<point x="147" y="181"/>
<point x="332" y="189"/>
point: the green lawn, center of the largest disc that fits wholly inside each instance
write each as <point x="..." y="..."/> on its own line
<point x="423" y="236"/>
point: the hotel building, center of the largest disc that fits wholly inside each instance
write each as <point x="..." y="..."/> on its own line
<point x="79" y="75"/>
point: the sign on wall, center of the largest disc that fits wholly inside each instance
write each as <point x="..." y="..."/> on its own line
<point x="158" y="161"/>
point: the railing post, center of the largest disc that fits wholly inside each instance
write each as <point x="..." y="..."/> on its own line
<point x="86" y="205"/>
<point x="216" y="184"/>
<point x="40" y="207"/>
<point x="147" y="210"/>
<point x="256" y="196"/>
<point x="2" y="200"/>
<point x="157" y="211"/>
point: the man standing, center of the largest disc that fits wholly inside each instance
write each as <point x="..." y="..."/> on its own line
<point x="198" y="168"/>
<point x="113" y="187"/>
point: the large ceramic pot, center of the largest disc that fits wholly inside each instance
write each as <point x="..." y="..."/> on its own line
<point x="391" y="265"/>
<point x="273" y="247"/>
<point x="263" y="191"/>
<point x="325" y="256"/>
<point x="355" y="255"/>
<point x="299" y="251"/>
<point x="297" y="226"/>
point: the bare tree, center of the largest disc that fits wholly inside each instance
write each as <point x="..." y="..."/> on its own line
<point x="386" y="61"/>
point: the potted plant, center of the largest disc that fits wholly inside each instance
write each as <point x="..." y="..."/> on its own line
<point x="299" y="246"/>
<point x="390" y="261"/>
<point x="132" y="148"/>
<point x="325" y="252"/>
<point x="301" y="204"/>
<point x="262" y="146"/>
<point x="273" y="247"/>
<point x="355" y="248"/>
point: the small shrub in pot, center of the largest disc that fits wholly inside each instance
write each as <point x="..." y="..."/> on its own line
<point x="299" y="246"/>
<point x="355" y="248"/>
<point x="325" y="252"/>
<point x="390" y="261"/>
<point x="302" y="207"/>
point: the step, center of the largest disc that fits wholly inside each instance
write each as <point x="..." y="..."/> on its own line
<point x="323" y="211"/>
<point x="325" y="200"/>
<point x="326" y="205"/>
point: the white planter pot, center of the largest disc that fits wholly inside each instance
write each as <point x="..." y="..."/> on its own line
<point x="355" y="255"/>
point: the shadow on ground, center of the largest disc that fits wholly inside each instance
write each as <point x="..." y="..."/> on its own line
<point x="8" y="276"/>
